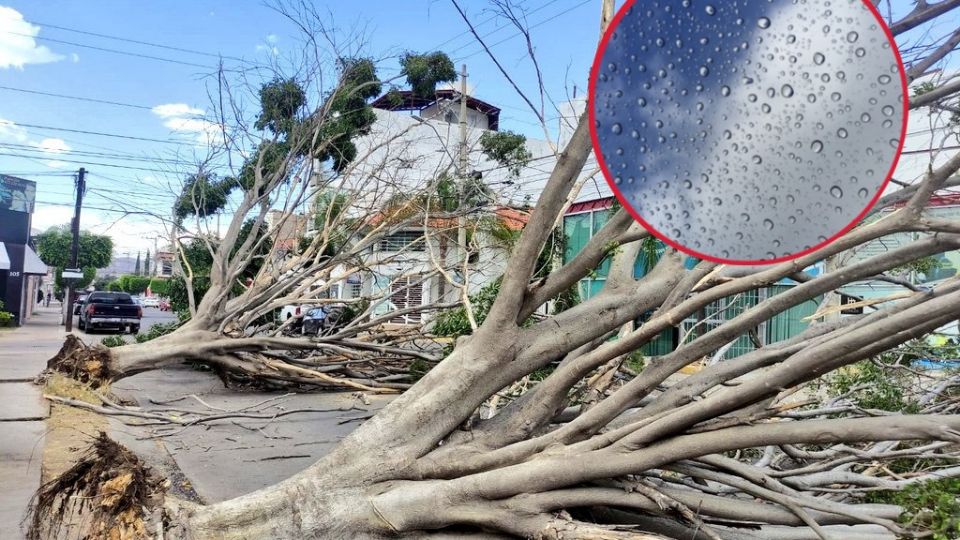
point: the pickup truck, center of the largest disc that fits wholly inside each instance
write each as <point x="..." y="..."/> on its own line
<point x="110" y="310"/>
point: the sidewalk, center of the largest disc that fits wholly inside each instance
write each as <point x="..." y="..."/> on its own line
<point x="23" y="354"/>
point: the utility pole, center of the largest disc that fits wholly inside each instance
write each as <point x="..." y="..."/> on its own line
<point x="463" y="173"/>
<point x="74" y="247"/>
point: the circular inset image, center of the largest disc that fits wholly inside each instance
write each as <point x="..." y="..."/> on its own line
<point x="748" y="131"/>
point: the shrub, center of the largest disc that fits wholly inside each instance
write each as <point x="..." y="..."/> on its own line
<point x="934" y="506"/>
<point x="156" y="331"/>
<point x="6" y="318"/>
<point x="113" y="341"/>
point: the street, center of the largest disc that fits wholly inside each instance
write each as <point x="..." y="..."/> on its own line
<point x="151" y="316"/>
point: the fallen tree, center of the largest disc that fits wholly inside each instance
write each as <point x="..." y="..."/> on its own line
<point x="585" y="453"/>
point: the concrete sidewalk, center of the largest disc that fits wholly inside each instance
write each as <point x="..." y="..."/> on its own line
<point x="24" y="353"/>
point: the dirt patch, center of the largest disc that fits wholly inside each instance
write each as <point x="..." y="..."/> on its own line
<point x="69" y="432"/>
<point x="107" y="493"/>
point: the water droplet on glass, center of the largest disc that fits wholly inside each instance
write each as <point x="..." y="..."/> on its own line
<point x="818" y="58"/>
<point x="757" y="160"/>
<point x="710" y="9"/>
<point x="616" y="129"/>
<point x="763" y="22"/>
<point x="836" y="192"/>
<point x="704" y="71"/>
<point x="842" y="133"/>
<point x="852" y="37"/>
<point x="768" y="224"/>
<point x="786" y="90"/>
<point x="816" y="146"/>
<point x="725" y="91"/>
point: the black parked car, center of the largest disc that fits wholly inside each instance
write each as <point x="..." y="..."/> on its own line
<point x="110" y="310"/>
<point x="322" y="320"/>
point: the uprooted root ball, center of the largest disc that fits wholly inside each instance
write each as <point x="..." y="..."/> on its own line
<point x="87" y="364"/>
<point x="107" y="494"/>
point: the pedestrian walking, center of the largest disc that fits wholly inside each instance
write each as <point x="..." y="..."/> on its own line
<point x="39" y="296"/>
<point x="48" y="298"/>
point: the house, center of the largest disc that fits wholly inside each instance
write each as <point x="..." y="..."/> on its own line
<point x="414" y="142"/>
<point x="402" y="266"/>
<point x="163" y="264"/>
<point x="21" y="270"/>
<point x="286" y="229"/>
<point x="585" y="217"/>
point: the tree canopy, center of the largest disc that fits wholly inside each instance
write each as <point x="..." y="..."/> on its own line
<point x="425" y="71"/>
<point x="96" y="251"/>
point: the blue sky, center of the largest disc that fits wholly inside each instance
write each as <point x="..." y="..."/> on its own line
<point x="165" y="96"/>
<point x="565" y="39"/>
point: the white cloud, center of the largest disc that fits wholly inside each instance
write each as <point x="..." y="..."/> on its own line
<point x="14" y="134"/>
<point x="170" y="110"/>
<point x="272" y="38"/>
<point x="54" y="146"/>
<point x="11" y="132"/>
<point x="74" y="57"/>
<point x="267" y="48"/>
<point x="182" y="118"/>
<point x="17" y="44"/>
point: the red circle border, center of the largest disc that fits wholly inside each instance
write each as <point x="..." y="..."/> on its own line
<point x="591" y="96"/>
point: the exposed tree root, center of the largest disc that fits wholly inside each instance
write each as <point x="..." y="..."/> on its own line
<point x="107" y="494"/>
<point x="87" y="364"/>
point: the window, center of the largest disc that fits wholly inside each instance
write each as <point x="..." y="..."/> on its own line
<point x="406" y="292"/>
<point x="578" y="229"/>
<point x="409" y="240"/>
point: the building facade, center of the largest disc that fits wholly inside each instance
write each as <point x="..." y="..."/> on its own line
<point x="21" y="270"/>
<point x="585" y="218"/>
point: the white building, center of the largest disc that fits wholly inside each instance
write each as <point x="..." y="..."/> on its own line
<point x="413" y="142"/>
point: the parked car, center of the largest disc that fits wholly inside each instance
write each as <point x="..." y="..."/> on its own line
<point x="295" y="312"/>
<point x="110" y="310"/>
<point x="78" y="303"/>
<point x="164" y="305"/>
<point x="151" y="301"/>
<point x="322" y="320"/>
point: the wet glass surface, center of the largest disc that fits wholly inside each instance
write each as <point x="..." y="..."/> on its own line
<point x="750" y="129"/>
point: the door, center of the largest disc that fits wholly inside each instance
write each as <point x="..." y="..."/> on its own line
<point x="406" y="292"/>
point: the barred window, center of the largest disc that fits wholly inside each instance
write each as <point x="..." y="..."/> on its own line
<point x="411" y="240"/>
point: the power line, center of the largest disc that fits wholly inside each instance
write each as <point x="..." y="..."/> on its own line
<point x="541" y="23"/>
<point x="101" y="155"/>
<point x="51" y="203"/>
<point x="98" y="133"/>
<point x="37" y="173"/>
<point x="114" y="51"/>
<point x="139" y="42"/>
<point x="90" y="163"/>
<point x="78" y="98"/>
<point x="488" y="34"/>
